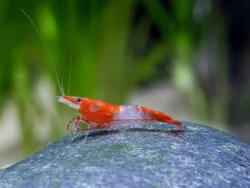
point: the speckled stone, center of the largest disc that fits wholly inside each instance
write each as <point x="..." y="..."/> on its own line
<point x="152" y="156"/>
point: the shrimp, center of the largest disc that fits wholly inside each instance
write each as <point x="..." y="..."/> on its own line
<point x="101" y="115"/>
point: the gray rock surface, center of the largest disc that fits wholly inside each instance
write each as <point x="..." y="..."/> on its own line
<point x="152" y="156"/>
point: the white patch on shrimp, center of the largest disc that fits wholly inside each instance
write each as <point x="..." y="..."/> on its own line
<point x="95" y="107"/>
<point x="129" y="116"/>
<point x="72" y="105"/>
<point x="130" y="113"/>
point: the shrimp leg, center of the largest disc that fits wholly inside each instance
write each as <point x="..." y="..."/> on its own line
<point x="74" y="119"/>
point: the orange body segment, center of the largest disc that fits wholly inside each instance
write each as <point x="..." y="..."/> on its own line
<point x="160" y="116"/>
<point x="97" y="112"/>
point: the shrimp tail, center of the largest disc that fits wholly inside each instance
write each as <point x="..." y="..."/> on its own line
<point x="176" y="123"/>
<point x="162" y="117"/>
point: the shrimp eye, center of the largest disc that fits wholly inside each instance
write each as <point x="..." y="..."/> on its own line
<point x="78" y="99"/>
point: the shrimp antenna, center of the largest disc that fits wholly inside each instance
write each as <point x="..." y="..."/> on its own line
<point x="62" y="77"/>
<point x="49" y="55"/>
<point x="45" y="100"/>
<point x="70" y="65"/>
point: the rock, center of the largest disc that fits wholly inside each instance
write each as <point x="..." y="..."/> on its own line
<point x="152" y="156"/>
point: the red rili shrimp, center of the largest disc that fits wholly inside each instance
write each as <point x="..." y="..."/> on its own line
<point x="100" y="115"/>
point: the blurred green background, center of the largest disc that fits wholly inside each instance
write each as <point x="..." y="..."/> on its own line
<point x="198" y="49"/>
